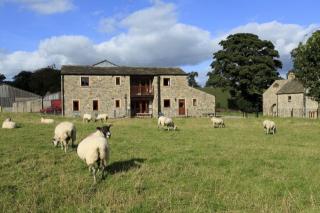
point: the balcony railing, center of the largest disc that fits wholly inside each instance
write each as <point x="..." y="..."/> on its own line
<point x="141" y="90"/>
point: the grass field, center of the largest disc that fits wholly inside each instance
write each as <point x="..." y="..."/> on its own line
<point x="196" y="169"/>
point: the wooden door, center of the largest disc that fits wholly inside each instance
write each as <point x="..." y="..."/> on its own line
<point x="182" y="107"/>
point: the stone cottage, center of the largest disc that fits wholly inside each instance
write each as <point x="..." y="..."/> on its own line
<point x="287" y="98"/>
<point x="131" y="91"/>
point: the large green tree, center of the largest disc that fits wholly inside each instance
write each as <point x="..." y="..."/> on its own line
<point x="247" y="66"/>
<point x="192" y="79"/>
<point x="40" y="81"/>
<point x="45" y="80"/>
<point x="22" y="79"/>
<point x="306" y="63"/>
<point x="2" y="77"/>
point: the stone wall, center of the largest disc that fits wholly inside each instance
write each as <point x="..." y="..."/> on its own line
<point x="270" y="98"/>
<point x="311" y="108"/>
<point x="101" y="88"/>
<point x="293" y="108"/>
<point x="179" y="89"/>
<point x="29" y="106"/>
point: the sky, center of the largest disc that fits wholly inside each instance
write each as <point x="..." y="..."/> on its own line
<point x="153" y="33"/>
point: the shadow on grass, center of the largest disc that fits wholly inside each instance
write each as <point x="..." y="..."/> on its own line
<point x="124" y="166"/>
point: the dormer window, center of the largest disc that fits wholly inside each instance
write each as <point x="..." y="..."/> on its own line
<point x="276" y="85"/>
<point x="84" y="81"/>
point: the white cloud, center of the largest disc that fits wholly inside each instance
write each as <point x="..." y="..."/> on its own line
<point x="46" y="7"/>
<point x="154" y="37"/>
<point x="108" y="25"/>
<point x="151" y="37"/>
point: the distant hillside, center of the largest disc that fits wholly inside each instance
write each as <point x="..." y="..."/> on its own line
<point x="222" y="96"/>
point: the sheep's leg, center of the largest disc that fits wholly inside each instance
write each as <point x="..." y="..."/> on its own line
<point x="104" y="167"/>
<point x="94" y="171"/>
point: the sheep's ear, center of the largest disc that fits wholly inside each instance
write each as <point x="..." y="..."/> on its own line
<point x="110" y="125"/>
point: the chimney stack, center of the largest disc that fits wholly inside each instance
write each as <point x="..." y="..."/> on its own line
<point x="291" y="75"/>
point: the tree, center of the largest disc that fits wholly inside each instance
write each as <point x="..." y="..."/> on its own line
<point x="247" y="66"/>
<point x="306" y="63"/>
<point x="2" y="77"/>
<point x="192" y="79"/>
<point x="45" y="80"/>
<point x="22" y="80"/>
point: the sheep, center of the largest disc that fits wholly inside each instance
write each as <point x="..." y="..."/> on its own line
<point x="8" y="124"/>
<point x="87" y="117"/>
<point x="94" y="150"/>
<point x="166" y="122"/>
<point x="217" y="122"/>
<point x="269" y="126"/>
<point x="46" y="120"/>
<point x="63" y="133"/>
<point x="102" y="117"/>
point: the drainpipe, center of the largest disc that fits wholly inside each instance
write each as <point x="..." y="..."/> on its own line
<point x="62" y="94"/>
<point x="159" y="96"/>
<point x="277" y="107"/>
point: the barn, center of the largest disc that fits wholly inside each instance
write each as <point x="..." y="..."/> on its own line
<point x="10" y="95"/>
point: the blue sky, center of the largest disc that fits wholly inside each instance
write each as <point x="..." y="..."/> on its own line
<point x="185" y="33"/>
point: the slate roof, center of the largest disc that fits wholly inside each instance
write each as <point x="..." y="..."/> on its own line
<point x="292" y="87"/>
<point x="121" y="70"/>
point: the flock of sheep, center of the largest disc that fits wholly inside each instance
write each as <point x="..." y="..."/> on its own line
<point x="94" y="149"/>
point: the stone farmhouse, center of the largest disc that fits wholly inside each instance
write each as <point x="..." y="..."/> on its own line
<point x="131" y="92"/>
<point x="287" y="98"/>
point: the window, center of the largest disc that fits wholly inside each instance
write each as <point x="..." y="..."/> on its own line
<point x="289" y="98"/>
<point x="95" y="105"/>
<point x="84" y="81"/>
<point x="117" y="103"/>
<point x="117" y="80"/>
<point x="75" y="106"/>
<point x="166" y="82"/>
<point x="166" y="103"/>
<point x="194" y="102"/>
<point x="276" y="85"/>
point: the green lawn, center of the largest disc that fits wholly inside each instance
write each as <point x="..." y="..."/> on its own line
<point x="196" y="169"/>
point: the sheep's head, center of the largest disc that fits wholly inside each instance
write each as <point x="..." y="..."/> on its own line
<point x="175" y="127"/>
<point x="105" y="130"/>
<point x="8" y="119"/>
<point x="55" y="141"/>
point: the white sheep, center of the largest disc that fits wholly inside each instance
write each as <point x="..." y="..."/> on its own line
<point x="102" y="117"/>
<point x="94" y="150"/>
<point x="87" y="117"/>
<point x="217" y="122"/>
<point x="269" y="126"/>
<point x="46" y="120"/>
<point x="166" y="122"/>
<point x="8" y="124"/>
<point x="63" y="133"/>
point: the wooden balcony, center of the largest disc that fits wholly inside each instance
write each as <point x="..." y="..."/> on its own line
<point x="141" y="91"/>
